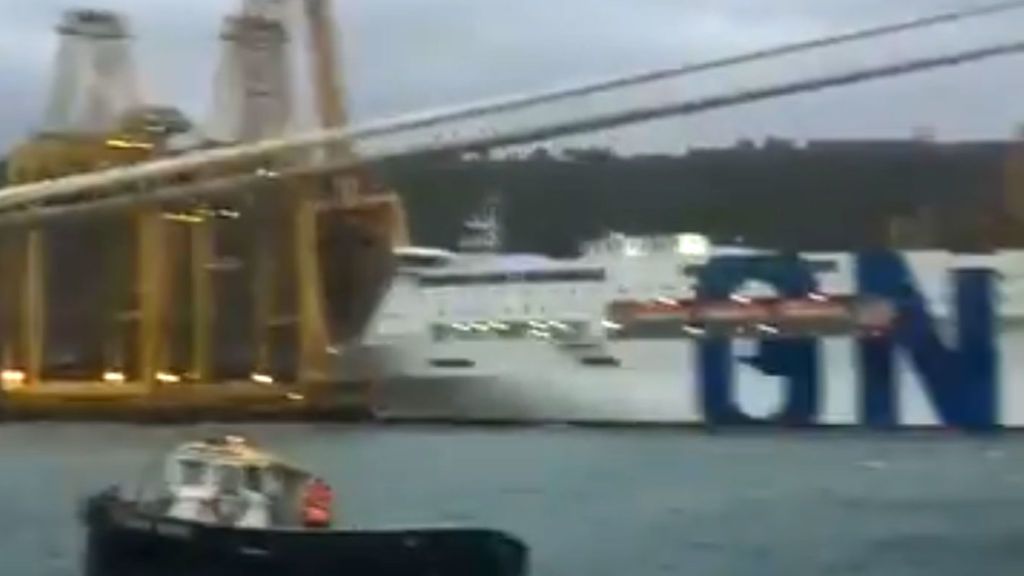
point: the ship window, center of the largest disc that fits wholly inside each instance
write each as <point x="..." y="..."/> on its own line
<point x="441" y="332"/>
<point x="583" y="275"/>
<point x="691" y="269"/>
<point x="535" y="276"/>
<point x="229" y="479"/>
<point x="814" y="266"/>
<point x="452" y="363"/>
<point x="820" y="266"/>
<point x="422" y="260"/>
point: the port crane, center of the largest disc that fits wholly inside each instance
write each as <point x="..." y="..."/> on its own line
<point x="326" y="184"/>
<point x="146" y="247"/>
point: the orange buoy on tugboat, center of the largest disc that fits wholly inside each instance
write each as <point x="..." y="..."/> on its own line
<point x="317" y="504"/>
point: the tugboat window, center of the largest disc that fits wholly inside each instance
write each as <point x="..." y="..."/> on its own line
<point x="192" y="472"/>
<point x="230" y="479"/>
<point x="253" y="479"/>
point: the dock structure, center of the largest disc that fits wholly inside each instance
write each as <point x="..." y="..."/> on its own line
<point x="228" y="306"/>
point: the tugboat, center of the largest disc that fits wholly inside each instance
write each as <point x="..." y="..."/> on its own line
<point x="226" y="508"/>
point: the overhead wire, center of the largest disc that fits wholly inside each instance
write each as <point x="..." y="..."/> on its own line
<point x="533" y="134"/>
<point x="687" y="108"/>
<point x="40" y="191"/>
<point x="533" y="99"/>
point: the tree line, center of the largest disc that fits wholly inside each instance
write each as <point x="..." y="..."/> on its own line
<point x="838" y="195"/>
<point x="818" y="196"/>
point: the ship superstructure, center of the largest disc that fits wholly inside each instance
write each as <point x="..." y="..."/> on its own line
<point x="611" y="335"/>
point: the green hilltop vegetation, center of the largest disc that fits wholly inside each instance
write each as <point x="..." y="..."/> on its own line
<point x="822" y="195"/>
<point x="828" y="195"/>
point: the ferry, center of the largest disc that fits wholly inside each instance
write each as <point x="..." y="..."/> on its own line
<point x="225" y="507"/>
<point x="478" y="334"/>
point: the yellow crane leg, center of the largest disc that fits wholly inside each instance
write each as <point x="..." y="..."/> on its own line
<point x="313" y="338"/>
<point x="265" y="298"/>
<point x="152" y="284"/>
<point x="201" y="238"/>
<point x="11" y="304"/>
<point x="326" y="71"/>
<point x="329" y="89"/>
<point x="33" y="301"/>
<point x="118" y="295"/>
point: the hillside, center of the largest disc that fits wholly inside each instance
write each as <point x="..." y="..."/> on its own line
<point x="826" y="195"/>
<point x="821" y="195"/>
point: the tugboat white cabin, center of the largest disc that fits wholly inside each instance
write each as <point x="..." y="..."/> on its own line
<point x="227" y="481"/>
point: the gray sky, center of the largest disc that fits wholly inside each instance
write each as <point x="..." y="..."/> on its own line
<point x="406" y="55"/>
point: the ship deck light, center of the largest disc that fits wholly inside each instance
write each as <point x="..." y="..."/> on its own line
<point x="12" y="379"/>
<point x="693" y="330"/>
<point x="611" y="325"/>
<point x="261" y="378"/>
<point x="167" y="377"/>
<point x="123" y="144"/>
<point x="114" y="377"/>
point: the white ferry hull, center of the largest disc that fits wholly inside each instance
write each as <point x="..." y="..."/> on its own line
<point x="535" y="382"/>
<point x="657" y="382"/>
<point x="457" y="345"/>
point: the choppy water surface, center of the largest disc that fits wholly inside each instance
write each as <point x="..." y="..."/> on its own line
<point x="593" y="502"/>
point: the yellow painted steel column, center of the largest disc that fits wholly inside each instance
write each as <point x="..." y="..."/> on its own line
<point x="11" y="291"/>
<point x="327" y="73"/>
<point x="201" y="238"/>
<point x="313" y="338"/>
<point x="329" y="88"/>
<point x="33" y="301"/>
<point x="120" y="306"/>
<point x="152" y="287"/>
<point x="265" y="298"/>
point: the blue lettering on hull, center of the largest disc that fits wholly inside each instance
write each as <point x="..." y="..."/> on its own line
<point x="959" y="377"/>
<point x="794" y="360"/>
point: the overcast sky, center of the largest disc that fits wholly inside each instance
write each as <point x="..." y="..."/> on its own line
<point x="406" y="55"/>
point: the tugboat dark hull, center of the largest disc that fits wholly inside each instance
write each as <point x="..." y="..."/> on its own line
<point x="124" y="541"/>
